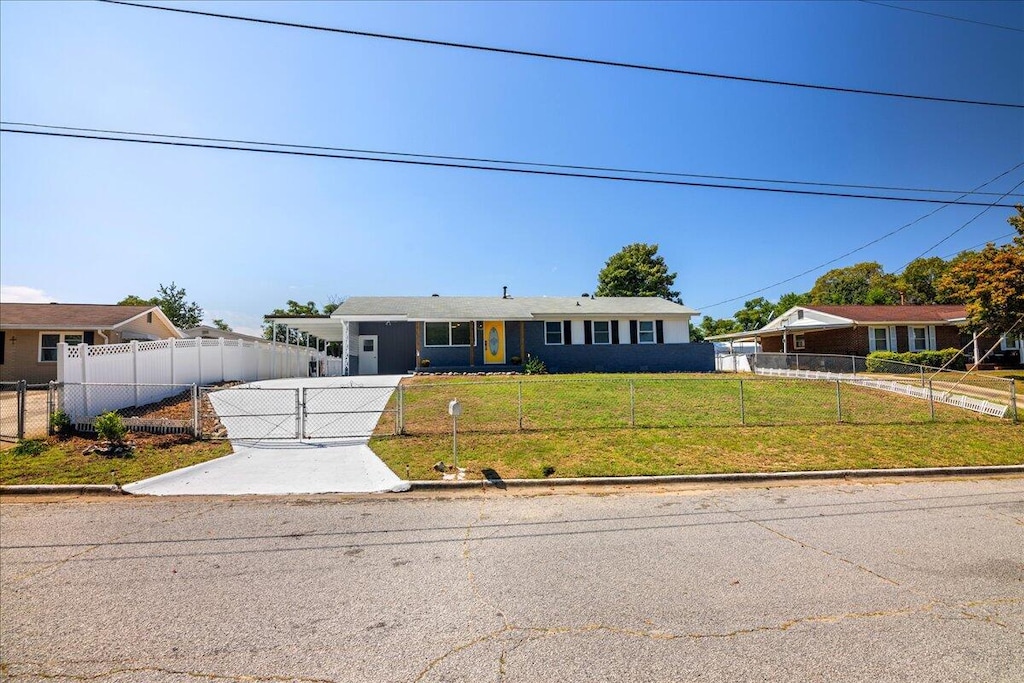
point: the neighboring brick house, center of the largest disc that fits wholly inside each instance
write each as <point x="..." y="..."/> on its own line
<point x="860" y="330"/>
<point x="29" y="333"/>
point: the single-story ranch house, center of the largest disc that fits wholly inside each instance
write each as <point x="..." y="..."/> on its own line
<point x="860" y="330"/>
<point x="395" y="335"/>
<point x="29" y="333"/>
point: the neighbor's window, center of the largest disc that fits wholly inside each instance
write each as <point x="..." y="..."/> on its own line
<point x="879" y="339"/>
<point x="645" y="332"/>
<point x="448" y="334"/>
<point x="602" y="332"/>
<point x="918" y="338"/>
<point x="798" y="341"/>
<point x="48" y="344"/>
<point x="553" y="332"/>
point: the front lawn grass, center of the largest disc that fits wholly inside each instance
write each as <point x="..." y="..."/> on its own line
<point x="580" y="425"/>
<point x="62" y="462"/>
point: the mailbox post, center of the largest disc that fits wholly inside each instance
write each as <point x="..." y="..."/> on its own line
<point x="455" y="410"/>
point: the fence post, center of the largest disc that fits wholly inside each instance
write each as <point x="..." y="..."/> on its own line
<point x="520" y="405"/>
<point x="931" y="401"/>
<point x="197" y="430"/>
<point x="797" y="360"/>
<point x="220" y="343"/>
<point x="300" y="409"/>
<point x="839" y="401"/>
<point x="401" y="409"/>
<point x="199" y="359"/>
<point x="134" y="346"/>
<point x="632" y="403"/>
<point x="83" y="353"/>
<point x="1013" y="400"/>
<point x="853" y="364"/>
<point x="171" y="346"/>
<point x="743" y="407"/>
<point x="20" y="403"/>
<point x="49" y="408"/>
<point x="922" y="376"/>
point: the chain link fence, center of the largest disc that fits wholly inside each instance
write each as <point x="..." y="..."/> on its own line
<point x="152" y="408"/>
<point x="24" y="410"/>
<point x="669" y="402"/>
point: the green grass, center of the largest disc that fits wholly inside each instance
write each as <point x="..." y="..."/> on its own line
<point x="682" y="424"/>
<point x="62" y="462"/>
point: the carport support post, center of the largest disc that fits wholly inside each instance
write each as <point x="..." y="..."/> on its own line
<point x="839" y="402"/>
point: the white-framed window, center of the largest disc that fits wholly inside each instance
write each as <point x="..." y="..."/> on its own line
<point x="799" y="342"/>
<point x="553" y="332"/>
<point x="602" y="332"/>
<point x="645" y="332"/>
<point x="448" y="334"/>
<point x="917" y="338"/>
<point x="48" y="343"/>
<point x="1009" y="342"/>
<point x="878" y="339"/>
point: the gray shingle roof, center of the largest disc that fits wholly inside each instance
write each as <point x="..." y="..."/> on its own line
<point x="513" y="308"/>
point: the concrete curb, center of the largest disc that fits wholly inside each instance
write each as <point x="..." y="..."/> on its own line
<point x="82" y="489"/>
<point x="766" y="477"/>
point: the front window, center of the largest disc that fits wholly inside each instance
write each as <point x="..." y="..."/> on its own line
<point x="799" y="342"/>
<point x="645" y="332"/>
<point x="879" y="339"/>
<point x="48" y="344"/>
<point x="553" y="333"/>
<point x="602" y="332"/>
<point x="918" y="338"/>
<point x="448" y="334"/>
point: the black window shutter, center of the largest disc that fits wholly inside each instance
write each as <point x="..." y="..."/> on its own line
<point x="567" y="332"/>
<point x="587" y="333"/>
<point x="89" y="337"/>
<point x="632" y="332"/>
<point x="660" y="328"/>
<point x="615" y="331"/>
<point x="3" y="345"/>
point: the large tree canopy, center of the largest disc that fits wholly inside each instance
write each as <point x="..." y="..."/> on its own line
<point x="637" y="270"/>
<point x="991" y="282"/>
<point x="755" y="314"/>
<point x="171" y="300"/>
<point x="861" y="283"/>
<point x="919" y="282"/>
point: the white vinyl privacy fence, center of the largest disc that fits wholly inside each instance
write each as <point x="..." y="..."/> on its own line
<point x="156" y="369"/>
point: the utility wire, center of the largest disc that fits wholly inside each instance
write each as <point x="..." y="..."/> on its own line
<point x="499" y="169"/>
<point x="943" y="16"/>
<point x="950" y="235"/>
<point x="980" y="244"/>
<point x="566" y="58"/>
<point x="507" y="162"/>
<point x="863" y="246"/>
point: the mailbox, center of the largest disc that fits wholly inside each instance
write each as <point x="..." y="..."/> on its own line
<point x="454" y="408"/>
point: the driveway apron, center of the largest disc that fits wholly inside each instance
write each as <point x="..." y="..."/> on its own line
<point x="340" y="464"/>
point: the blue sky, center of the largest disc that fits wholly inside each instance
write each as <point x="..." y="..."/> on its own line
<point x="88" y="221"/>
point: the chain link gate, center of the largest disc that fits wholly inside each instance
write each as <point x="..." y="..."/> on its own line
<point x="258" y="413"/>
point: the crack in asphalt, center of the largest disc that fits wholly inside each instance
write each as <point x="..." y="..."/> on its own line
<point x="5" y="669"/>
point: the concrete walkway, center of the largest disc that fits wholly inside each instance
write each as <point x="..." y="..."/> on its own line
<point x="280" y="466"/>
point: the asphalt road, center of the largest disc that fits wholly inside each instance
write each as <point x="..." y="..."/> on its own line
<point x="918" y="581"/>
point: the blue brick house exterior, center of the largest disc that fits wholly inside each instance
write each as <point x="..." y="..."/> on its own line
<point x="397" y="335"/>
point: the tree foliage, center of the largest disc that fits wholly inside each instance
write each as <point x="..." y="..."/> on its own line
<point x="221" y="325"/>
<point x="637" y="270"/>
<point x="172" y="301"/>
<point x="918" y="284"/>
<point x="991" y="282"/>
<point x="789" y="300"/>
<point x="755" y="314"/>
<point x="861" y="283"/>
<point x="711" y="326"/>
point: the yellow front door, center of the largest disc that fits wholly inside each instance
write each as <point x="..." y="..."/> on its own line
<point x="494" y="342"/>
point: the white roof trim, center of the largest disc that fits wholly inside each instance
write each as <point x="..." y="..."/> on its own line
<point x="163" y="316"/>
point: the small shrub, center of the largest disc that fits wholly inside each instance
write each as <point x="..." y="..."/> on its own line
<point x="424" y="362"/>
<point x="548" y="470"/>
<point x="534" y="366"/>
<point x="29" y="447"/>
<point x="110" y="427"/>
<point x="60" y="423"/>
<point x="882" y="361"/>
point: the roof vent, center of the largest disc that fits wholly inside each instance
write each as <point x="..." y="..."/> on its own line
<point x="504" y="291"/>
<point x="435" y="295"/>
<point x="585" y="295"/>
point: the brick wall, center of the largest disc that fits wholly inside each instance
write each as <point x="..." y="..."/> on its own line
<point x="853" y="341"/>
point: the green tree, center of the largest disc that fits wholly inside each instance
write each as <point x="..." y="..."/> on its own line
<point x="789" y="300"/>
<point x="221" y="325"/>
<point x="991" y="282"/>
<point x="637" y="270"/>
<point x="861" y="283"/>
<point x="294" y="308"/>
<point x="755" y="314"/>
<point x="712" y="326"/>
<point x="919" y="281"/>
<point x="696" y="334"/>
<point x="171" y="300"/>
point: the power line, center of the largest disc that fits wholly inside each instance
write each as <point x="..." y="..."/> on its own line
<point x="943" y="16"/>
<point x="863" y="246"/>
<point x="498" y="169"/>
<point x="980" y="244"/>
<point x="566" y="58"/>
<point x="507" y="162"/>
<point x="950" y="235"/>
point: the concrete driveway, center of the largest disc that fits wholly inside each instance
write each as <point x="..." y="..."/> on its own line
<point x="264" y="463"/>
